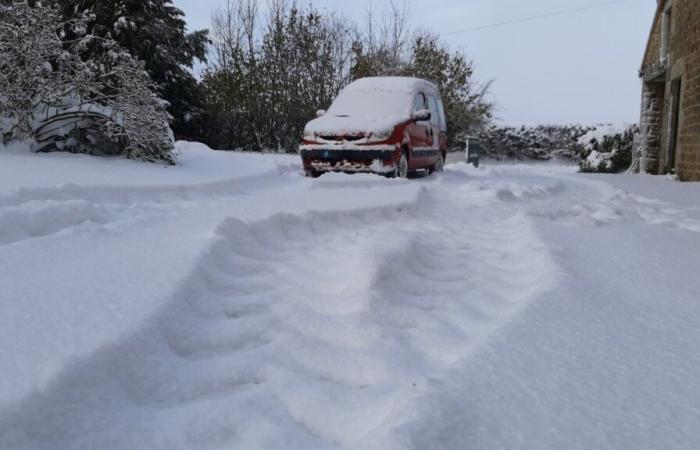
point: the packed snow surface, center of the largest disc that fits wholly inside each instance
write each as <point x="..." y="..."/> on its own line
<point x="230" y="302"/>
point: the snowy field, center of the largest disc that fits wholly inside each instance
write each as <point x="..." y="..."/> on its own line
<point x="230" y="302"/>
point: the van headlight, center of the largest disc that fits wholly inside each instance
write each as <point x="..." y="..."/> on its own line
<point x="309" y="135"/>
<point x="382" y="135"/>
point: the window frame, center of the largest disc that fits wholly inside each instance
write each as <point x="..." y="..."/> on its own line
<point x="426" y="106"/>
<point x="425" y="101"/>
<point x="434" y="110"/>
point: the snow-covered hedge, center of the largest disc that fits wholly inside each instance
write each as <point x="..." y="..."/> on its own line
<point x="540" y="143"/>
<point x="61" y="101"/>
<point x="607" y="149"/>
<point x="600" y="148"/>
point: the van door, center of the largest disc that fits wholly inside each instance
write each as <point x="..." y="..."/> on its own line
<point x="420" y="135"/>
<point x="443" y="126"/>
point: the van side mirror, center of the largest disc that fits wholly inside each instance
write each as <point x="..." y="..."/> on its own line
<point x="422" y="115"/>
<point x="320" y="113"/>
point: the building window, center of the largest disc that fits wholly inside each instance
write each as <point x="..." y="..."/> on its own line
<point x="666" y="31"/>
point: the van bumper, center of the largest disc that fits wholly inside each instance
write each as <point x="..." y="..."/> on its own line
<point x="349" y="160"/>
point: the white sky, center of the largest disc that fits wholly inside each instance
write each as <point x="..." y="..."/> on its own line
<point x="580" y="67"/>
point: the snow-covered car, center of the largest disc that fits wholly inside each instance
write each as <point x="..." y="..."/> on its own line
<point x="386" y="125"/>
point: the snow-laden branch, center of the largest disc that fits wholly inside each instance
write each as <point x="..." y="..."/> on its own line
<point x="104" y="104"/>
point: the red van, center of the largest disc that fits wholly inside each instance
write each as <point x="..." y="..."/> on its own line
<point x="386" y="125"/>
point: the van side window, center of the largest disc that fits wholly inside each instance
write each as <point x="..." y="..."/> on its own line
<point x="443" y="121"/>
<point x="420" y="103"/>
<point x="434" y="113"/>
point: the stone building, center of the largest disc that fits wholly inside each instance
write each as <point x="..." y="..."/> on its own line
<point x="670" y="120"/>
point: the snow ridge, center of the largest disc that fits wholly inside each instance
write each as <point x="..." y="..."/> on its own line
<point x="317" y="330"/>
<point x="151" y="194"/>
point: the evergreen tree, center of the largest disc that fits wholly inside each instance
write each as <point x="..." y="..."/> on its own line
<point x="154" y="31"/>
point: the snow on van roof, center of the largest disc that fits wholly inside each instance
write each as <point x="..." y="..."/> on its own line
<point x="406" y="85"/>
<point x="370" y="105"/>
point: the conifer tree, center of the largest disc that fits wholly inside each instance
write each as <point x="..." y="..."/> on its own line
<point x="155" y="32"/>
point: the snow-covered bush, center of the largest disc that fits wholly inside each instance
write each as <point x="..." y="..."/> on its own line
<point x="31" y="63"/>
<point x="539" y="143"/>
<point x="599" y="148"/>
<point x="607" y="149"/>
<point x="50" y="95"/>
<point x="155" y="32"/>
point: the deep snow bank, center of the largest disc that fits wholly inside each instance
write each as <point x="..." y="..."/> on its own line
<point x="89" y="247"/>
<point x="313" y="330"/>
<point x="510" y="306"/>
<point x="197" y="163"/>
<point x="82" y="266"/>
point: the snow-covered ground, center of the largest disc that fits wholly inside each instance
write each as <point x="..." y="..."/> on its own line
<point x="230" y="302"/>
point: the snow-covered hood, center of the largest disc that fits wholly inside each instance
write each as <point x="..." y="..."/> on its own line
<point x="364" y="125"/>
<point x="367" y="106"/>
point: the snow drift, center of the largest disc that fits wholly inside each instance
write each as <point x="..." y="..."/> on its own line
<point x="232" y="303"/>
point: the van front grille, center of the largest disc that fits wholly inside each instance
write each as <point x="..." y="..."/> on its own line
<point x="342" y="138"/>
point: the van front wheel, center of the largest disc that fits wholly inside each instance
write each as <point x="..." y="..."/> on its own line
<point x="439" y="164"/>
<point x="402" y="167"/>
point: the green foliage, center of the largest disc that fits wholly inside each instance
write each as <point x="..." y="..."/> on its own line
<point x="267" y="83"/>
<point x="364" y="65"/>
<point x="297" y="61"/>
<point x="466" y="107"/>
<point x="260" y="94"/>
<point x="543" y="142"/>
<point x="611" y="154"/>
<point x="375" y="63"/>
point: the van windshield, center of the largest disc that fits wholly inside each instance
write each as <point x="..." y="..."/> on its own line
<point x="374" y="103"/>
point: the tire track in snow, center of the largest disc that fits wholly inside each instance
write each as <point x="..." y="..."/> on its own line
<point x="309" y="331"/>
<point x="596" y="203"/>
<point x="39" y="219"/>
<point x="590" y="200"/>
<point x="120" y="194"/>
<point x="35" y="213"/>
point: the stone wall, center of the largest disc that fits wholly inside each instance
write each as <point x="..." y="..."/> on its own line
<point x="685" y="64"/>
<point x="654" y="45"/>
<point x="658" y="101"/>
<point x="650" y="126"/>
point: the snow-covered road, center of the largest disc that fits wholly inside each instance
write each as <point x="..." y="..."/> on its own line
<point x="233" y="303"/>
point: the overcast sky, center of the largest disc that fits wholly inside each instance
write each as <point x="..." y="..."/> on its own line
<point x="575" y="68"/>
